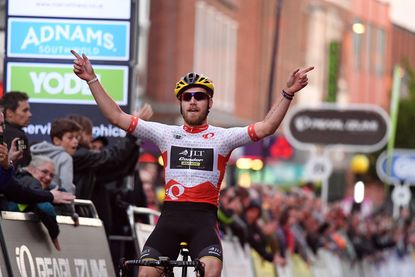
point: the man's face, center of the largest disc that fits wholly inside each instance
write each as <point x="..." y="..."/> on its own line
<point x="21" y="116"/>
<point x="195" y="105"/>
<point x="69" y="142"/>
<point x="85" y="139"/>
<point x="97" y="145"/>
<point x="43" y="173"/>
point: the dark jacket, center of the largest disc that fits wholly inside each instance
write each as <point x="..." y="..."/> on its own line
<point x="44" y="210"/>
<point x="110" y="164"/>
<point x="14" y="191"/>
<point x="13" y="131"/>
<point x="27" y="180"/>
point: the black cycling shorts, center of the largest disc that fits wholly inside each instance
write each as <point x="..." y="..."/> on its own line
<point x="194" y="223"/>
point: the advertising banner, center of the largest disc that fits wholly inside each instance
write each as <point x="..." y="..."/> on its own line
<point x="353" y="127"/>
<point x="39" y="37"/>
<point x="55" y="91"/>
<point x="54" y="38"/>
<point x="105" y="9"/>
<point x="84" y="252"/>
<point x="57" y="84"/>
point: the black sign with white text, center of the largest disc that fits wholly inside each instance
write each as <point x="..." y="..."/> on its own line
<point x="362" y="127"/>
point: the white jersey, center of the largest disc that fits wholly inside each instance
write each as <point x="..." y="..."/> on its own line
<point x="194" y="158"/>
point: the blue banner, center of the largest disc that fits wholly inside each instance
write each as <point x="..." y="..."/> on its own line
<point x="54" y="38"/>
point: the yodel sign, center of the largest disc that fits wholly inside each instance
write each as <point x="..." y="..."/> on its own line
<point x="56" y="83"/>
<point x="356" y="127"/>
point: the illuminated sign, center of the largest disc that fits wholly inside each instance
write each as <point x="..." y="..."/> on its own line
<point x="56" y="83"/>
<point x="54" y="38"/>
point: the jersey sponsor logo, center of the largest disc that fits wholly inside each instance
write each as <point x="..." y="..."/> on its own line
<point x="191" y="158"/>
<point x="208" y="135"/>
<point x="177" y="136"/>
<point x="215" y="251"/>
<point x="175" y="191"/>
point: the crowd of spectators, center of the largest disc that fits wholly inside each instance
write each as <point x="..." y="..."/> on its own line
<point x="279" y="223"/>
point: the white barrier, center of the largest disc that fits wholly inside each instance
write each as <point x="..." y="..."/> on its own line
<point x="237" y="260"/>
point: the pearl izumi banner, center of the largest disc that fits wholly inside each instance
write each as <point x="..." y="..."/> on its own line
<point x="30" y="252"/>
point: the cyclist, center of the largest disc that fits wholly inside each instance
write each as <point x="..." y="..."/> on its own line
<point x="195" y="157"/>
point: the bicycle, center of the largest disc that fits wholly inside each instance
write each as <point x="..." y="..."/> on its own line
<point x="166" y="264"/>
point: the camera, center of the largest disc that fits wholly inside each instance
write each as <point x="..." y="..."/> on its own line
<point x="20" y="145"/>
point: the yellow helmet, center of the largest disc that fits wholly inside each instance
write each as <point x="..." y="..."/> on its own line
<point x="194" y="79"/>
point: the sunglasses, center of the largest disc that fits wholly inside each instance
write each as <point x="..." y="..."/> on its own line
<point x="199" y="96"/>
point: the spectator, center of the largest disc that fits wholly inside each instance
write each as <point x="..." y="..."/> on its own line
<point x="64" y="135"/>
<point x="38" y="175"/>
<point x="15" y="191"/>
<point x="99" y="143"/>
<point x="256" y="237"/>
<point x="149" y="171"/>
<point x="17" y="115"/>
<point x="229" y="215"/>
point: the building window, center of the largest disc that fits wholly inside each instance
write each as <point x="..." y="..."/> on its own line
<point x="358" y="31"/>
<point x="369" y="43"/>
<point x="380" y="52"/>
<point x="215" y="52"/>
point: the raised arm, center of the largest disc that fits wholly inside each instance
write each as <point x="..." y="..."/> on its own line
<point x="83" y="69"/>
<point x="297" y="81"/>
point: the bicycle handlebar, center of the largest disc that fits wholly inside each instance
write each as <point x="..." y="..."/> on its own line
<point x="164" y="262"/>
<point x="161" y="262"/>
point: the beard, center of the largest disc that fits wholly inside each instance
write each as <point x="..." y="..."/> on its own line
<point x="192" y="119"/>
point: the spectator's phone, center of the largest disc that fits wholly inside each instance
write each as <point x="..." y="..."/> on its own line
<point x="1" y="138"/>
<point x="20" y="146"/>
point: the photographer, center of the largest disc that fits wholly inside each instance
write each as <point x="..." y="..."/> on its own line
<point x="17" y="115"/>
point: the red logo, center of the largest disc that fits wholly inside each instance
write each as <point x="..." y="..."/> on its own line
<point x="208" y="135"/>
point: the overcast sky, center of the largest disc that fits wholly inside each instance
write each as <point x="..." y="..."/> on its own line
<point x="402" y="13"/>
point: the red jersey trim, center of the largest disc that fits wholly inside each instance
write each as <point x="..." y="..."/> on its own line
<point x="195" y="130"/>
<point x="133" y="124"/>
<point x="251" y="132"/>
